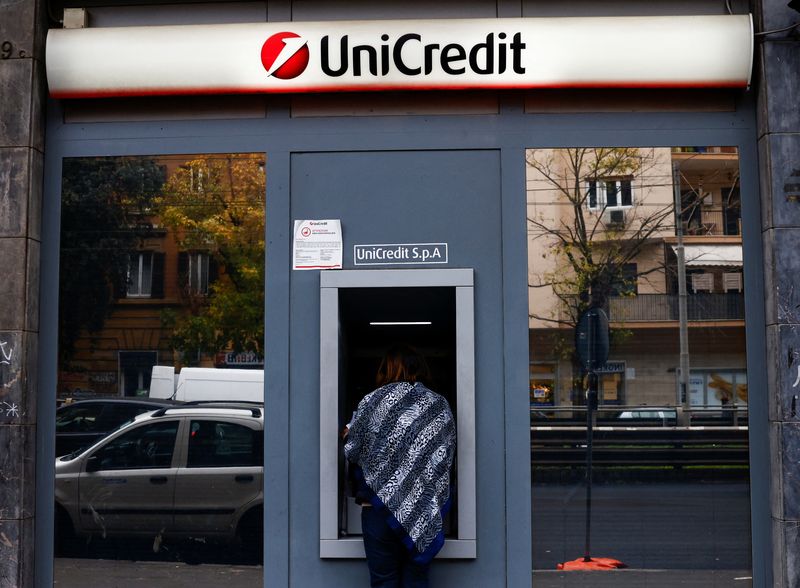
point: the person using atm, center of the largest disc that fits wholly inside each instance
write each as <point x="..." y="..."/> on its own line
<point x="401" y="441"/>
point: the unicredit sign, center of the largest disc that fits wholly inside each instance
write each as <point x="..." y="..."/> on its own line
<point x="396" y="55"/>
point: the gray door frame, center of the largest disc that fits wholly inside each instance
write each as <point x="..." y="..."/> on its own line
<point x="510" y="131"/>
<point x="461" y="279"/>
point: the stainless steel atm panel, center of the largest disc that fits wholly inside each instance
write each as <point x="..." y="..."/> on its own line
<point x="446" y="294"/>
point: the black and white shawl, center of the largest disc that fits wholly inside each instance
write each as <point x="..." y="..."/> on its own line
<point x="403" y="438"/>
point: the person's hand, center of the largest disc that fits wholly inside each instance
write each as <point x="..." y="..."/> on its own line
<point x="345" y="431"/>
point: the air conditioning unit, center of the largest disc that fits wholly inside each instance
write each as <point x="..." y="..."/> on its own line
<point x="615" y="218"/>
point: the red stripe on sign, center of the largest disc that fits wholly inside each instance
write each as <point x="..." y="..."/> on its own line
<point x="135" y="92"/>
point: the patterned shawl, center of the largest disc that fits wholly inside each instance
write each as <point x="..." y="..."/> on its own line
<point x="403" y="438"/>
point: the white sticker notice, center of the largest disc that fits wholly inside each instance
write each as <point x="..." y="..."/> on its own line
<point x="317" y="244"/>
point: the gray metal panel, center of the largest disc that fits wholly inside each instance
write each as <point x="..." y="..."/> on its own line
<point x="353" y="548"/>
<point x="465" y="419"/>
<point x="165" y="108"/>
<point x="276" y="377"/>
<point x="417" y="190"/>
<point x="47" y="376"/>
<point x="758" y="404"/>
<point x="390" y="278"/>
<point x="330" y="282"/>
<point x="328" y="411"/>
<point x="516" y="372"/>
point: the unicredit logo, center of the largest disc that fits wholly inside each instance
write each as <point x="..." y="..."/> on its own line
<point x="285" y="55"/>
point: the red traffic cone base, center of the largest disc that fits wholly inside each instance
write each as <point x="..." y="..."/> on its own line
<point x="594" y="563"/>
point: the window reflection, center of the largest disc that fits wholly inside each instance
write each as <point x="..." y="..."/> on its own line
<point x="670" y="460"/>
<point x="162" y="267"/>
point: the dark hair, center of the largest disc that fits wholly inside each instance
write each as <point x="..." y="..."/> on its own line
<point x="403" y="363"/>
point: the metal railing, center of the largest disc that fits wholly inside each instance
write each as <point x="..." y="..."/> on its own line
<point x="713" y="221"/>
<point x="664" y="307"/>
<point x="674" y="447"/>
<point x="639" y="416"/>
<point x="640" y="436"/>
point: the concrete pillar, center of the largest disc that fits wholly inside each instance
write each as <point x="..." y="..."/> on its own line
<point x="22" y="29"/>
<point x="778" y="78"/>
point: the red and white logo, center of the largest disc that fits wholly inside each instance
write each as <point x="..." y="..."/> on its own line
<point x="285" y="55"/>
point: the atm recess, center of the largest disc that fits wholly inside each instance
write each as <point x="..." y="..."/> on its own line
<point x="362" y="314"/>
<point x="374" y="319"/>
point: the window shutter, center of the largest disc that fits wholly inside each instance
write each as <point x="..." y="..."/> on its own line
<point x="213" y="270"/>
<point x="627" y="197"/>
<point x="183" y="271"/>
<point x="120" y="282"/>
<point x="611" y="193"/>
<point x="157" y="287"/>
<point x="592" y="194"/>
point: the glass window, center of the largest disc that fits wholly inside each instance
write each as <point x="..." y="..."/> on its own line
<point x="221" y="444"/>
<point x="198" y="273"/>
<point x="136" y="368"/>
<point x="542" y="384"/>
<point x="145" y="447"/>
<point x="669" y="459"/>
<point x="162" y="269"/>
<point x="609" y="194"/>
<point x="140" y="274"/>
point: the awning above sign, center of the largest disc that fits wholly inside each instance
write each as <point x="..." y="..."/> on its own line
<point x="712" y="255"/>
<point x="623" y="52"/>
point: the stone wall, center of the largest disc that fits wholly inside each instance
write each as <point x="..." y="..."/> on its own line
<point x="778" y="78"/>
<point x="22" y="29"/>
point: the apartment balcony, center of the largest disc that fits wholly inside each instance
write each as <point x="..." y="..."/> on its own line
<point x="664" y="307"/>
<point x="713" y="222"/>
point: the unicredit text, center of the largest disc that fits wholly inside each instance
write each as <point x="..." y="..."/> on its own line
<point x="492" y="56"/>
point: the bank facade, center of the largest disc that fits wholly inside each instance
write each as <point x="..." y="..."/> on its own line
<point x="453" y="212"/>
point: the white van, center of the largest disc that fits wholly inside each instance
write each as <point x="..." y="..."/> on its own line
<point x="194" y="383"/>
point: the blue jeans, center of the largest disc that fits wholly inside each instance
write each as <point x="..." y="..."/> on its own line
<point x="390" y="564"/>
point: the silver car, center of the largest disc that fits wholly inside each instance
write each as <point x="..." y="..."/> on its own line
<point x="190" y="471"/>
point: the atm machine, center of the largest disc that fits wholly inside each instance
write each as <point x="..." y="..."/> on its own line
<point x="362" y="314"/>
